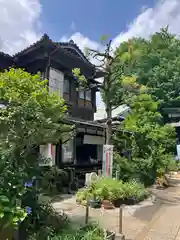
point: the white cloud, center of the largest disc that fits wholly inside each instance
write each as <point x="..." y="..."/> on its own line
<point x="18" y="21"/>
<point x="150" y="20"/>
<point x="166" y="12"/>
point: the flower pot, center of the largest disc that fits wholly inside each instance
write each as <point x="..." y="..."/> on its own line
<point x="110" y="235"/>
<point x="94" y="203"/>
<point x="106" y="204"/>
<point x="118" y="202"/>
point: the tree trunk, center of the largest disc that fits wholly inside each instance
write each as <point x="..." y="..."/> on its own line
<point x="108" y="125"/>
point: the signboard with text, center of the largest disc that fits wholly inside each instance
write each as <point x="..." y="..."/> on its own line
<point x="107" y="160"/>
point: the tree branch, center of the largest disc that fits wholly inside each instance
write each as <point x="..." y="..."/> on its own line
<point x="99" y="54"/>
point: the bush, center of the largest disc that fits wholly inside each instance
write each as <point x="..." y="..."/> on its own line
<point x="46" y="222"/>
<point x="112" y="189"/>
<point x="87" y="232"/>
<point x="135" y="190"/>
<point x="52" y="179"/>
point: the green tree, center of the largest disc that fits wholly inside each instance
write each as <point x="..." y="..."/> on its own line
<point x="114" y="86"/>
<point x="150" y="143"/>
<point x="156" y="63"/>
<point x="29" y="117"/>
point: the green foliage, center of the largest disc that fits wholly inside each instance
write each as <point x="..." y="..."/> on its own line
<point x="146" y="123"/>
<point x="46" y="222"/>
<point x="150" y="143"/>
<point x="11" y="191"/>
<point x="156" y="63"/>
<point x="55" y="226"/>
<point x="112" y="189"/>
<point x="52" y="179"/>
<point x="31" y="117"/>
<point x="82" y="81"/>
<point x="87" y="232"/>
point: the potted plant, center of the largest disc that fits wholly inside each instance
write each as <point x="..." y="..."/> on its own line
<point x="95" y="202"/>
<point x="106" y="194"/>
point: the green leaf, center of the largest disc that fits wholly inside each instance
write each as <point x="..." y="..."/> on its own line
<point x="4" y="199"/>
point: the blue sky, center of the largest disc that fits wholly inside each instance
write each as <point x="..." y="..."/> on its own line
<point x="23" y="22"/>
<point x="92" y="18"/>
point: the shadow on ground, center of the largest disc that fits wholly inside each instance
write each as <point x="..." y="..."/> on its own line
<point x="61" y="197"/>
<point x="145" y="213"/>
<point x="45" y="198"/>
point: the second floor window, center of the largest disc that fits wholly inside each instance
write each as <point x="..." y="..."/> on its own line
<point x="56" y="81"/>
<point x="82" y="94"/>
<point x="88" y="95"/>
<point x="66" y="86"/>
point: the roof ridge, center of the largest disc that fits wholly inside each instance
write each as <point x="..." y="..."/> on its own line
<point x="44" y="37"/>
<point x="72" y="43"/>
<point x="5" y="54"/>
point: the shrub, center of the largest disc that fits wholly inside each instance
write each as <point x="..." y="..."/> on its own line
<point x="52" y="179"/>
<point x="111" y="189"/>
<point x="135" y="190"/>
<point x="46" y="222"/>
<point x="87" y="232"/>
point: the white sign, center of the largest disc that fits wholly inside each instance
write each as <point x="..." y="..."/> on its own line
<point x="90" y="177"/>
<point x="178" y="151"/>
<point x="107" y="160"/>
<point x="48" y="153"/>
<point x="67" y="151"/>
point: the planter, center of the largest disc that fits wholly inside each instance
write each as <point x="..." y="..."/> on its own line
<point x="106" y="204"/>
<point x="94" y="203"/>
<point x="118" y="202"/>
<point x="110" y="235"/>
<point x="130" y="201"/>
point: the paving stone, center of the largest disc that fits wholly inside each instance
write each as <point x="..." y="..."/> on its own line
<point x="155" y="235"/>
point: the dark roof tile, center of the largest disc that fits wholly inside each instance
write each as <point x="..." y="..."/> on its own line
<point x="5" y="55"/>
<point x="72" y="44"/>
<point x="45" y="37"/>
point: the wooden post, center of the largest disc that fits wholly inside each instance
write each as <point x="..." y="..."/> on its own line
<point x="120" y="219"/>
<point x="87" y="212"/>
<point x="117" y="175"/>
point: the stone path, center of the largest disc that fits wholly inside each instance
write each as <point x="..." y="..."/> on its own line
<point x="150" y="220"/>
<point x="135" y="217"/>
<point x="165" y="225"/>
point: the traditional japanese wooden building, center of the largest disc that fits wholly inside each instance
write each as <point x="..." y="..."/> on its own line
<point x="55" y="61"/>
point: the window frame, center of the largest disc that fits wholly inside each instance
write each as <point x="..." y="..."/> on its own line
<point x="66" y="80"/>
<point x="82" y="97"/>
<point x="88" y="98"/>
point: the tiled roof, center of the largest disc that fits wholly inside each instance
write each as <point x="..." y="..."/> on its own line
<point x="5" y="55"/>
<point x="66" y="46"/>
<point x="70" y="46"/>
<point x="45" y="37"/>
